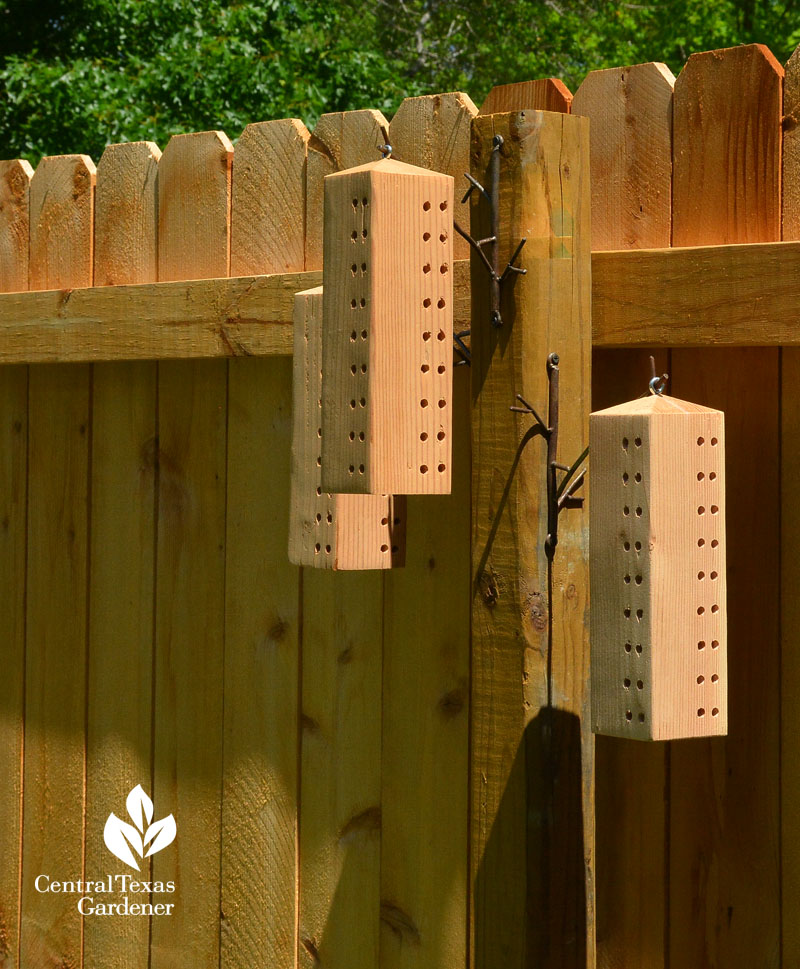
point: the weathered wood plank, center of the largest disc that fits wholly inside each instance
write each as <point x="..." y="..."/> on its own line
<point x="122" y="547"/>
<point x="424" y="775"/>
<point x="545" y="94"/>
<point x="630" y="111"/>
<point x="62" y="203"/>
<point x="194" y="231"/>
<point x="630" y="150"/>
<point x="531" y="745"/>
<point x="726" y="295"/>
<point x="262" y="596"/>
<point x="725" y="793"/>
<point x="15" y="179"/>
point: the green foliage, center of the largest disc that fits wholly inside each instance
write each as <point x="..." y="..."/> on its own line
<point x="76" y="76"/>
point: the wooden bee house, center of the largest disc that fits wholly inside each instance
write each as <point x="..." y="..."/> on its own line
<point x="388" y="335"/>
<point x="658" y="632"/>
<point x="330" y="531"/>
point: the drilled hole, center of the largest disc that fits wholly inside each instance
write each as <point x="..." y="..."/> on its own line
<point x="714" y="509"/>
<point x="639" y="615"/>
<point x="443" y="237"/>
<point x="426" y="302"/>
<point x="638" y="546"/>
<point x="701" y="542"/>
<point x="361" y="436"/>
<point x="426" y="268"/>
<point x="319" y="462"/>
<point x="424" y="368"/>
<point x="384" y="548"/>
<point x="319" y="518"/>
<point x="638" y="580"/>
<point x="441" y="303"/>
<point x="319" y="492"/>
<point x="626" y="511"/>
<point x="626" y="546"/>
<point x="701" y="576"/>
<point x="426" y="236"/>
<point x="423" y="436"/>
<point x="426" y="335"/>
<point x="638" y="512"/>
<point x="423" y="469"/>
<point x="329" y="518"/>
<point x="714" y="543"/>
<point x="715" y="644"/>
<point x="363" y="267"/>
<point x="639" y="685"/>
<point x="426" y="206"/>
<point x="353" y="304"/>
<point x="712" y="475"/>
<point x="715" y="678"/>
<point x="362" y="302"/>
<point x="440" y="436"/>
<point x="319" y="432"/>
<point x="352" y="405"/>
<point x="441" y="368"/>
<point x="701" y="644"/>
<point x="317" y="548"/>
<point x="442" y="403"/>
<point x="626" y="683"/>
<point x="701" y="712"/>
<point x="638" y="648"/>
<point x="353" y="336"/>
<point x="363" y="233"/>
<point x="423" y="403"/>
<point x="714" y="442"/>
<point x="715" y="711"/>
<point x="627" y="580"/>
<point x="352" y="468"/>
<point x="701" y="610"/>
<point x="713" y="576"/>
<point x="641" y="718"/>
<point x="363" y="368"/>
<point x="384" y="521"/>
<point x="701" y="441"/>
<point x="443" y="268"/>
<point x="354" y="269"/>
<point x="354" y="369"/>
<point x="637" y="441"/>
<point x="355" y="203"/>
<point x="637" y="477"/>
<point x="328" y="549"/>
<point x="365" y="201"/>
<point x="627" y="612"/>
<point x="628" y="647"/>
<point x="701" y="679"/>
<point x="700" y="476"/>
<point x="624" y="477"/>
<point x="628" y="715"/>
<point x="624" y="444"/>
<point x="715" y="608"/>
<point x="441" y="468"/>
<point x="440" y="335"/>
<point x="443" y="205"/>
<point x="354" y="235"/>
<point x="701" y="510"/>
<point x="361" y="469"/>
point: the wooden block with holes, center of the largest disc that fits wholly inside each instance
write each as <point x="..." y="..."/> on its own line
<point x="388" y="335"/>
<point x="331" y="531"/>
<point x="658" y="627"/>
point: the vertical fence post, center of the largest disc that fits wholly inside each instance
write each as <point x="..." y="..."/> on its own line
<point x="531" y="750"/>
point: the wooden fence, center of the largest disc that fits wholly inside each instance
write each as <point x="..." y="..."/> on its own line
<point x="354" y="773"/>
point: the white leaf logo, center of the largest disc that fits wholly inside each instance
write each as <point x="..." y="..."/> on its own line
<point x="120" y="837"/>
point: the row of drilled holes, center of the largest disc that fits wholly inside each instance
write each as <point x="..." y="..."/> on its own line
<point x="702" y="575"/>
<point x="629" y="577"/>
<point x="425" y="368"/>
<point x="358" y="303"/>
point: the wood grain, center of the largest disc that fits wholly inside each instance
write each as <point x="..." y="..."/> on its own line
<point x="425" y="762"/>
<point x="122" y="544"/>
<point x="126" y="215"/>
<point x="194" y="188"/>
<point x="342" y="139"/>
<point x="15" y="182"/>
<point x="433" y="131"/>
<point x="790" y="528"/>
<point x="388" y="309"/>
<point x="262" y="595"/>
<point x="14" y="188"/>
<point x="630" y="117"/>
<point x="724" y="295"/>
<point x="340" y="794"/>
<point x="545" y="94"/>
<point x="725" y="808"/>
<point x="531" y="836"/>
<point x="630" y="110"/>
<point x="269" y="199"/>
<point x="62" y="202"/>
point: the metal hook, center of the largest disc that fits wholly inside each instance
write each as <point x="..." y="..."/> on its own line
<point x="385" y="150"/>
<point x="657" y="385"/>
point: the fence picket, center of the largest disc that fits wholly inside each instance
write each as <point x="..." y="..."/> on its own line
<point x="262" y="596"/>
<point x="546" y="94"/>
<point x="725" y="799"/>
<point x="630" y="112"/>
<point x="194" y="195"/>
<point x="61" y="223"/>
<point x="118" y="742"/>
<point x="15" y="177"/>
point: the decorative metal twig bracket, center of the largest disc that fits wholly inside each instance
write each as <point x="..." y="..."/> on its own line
<point x="491" y="262"/>
<point x="561" y="494"/>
